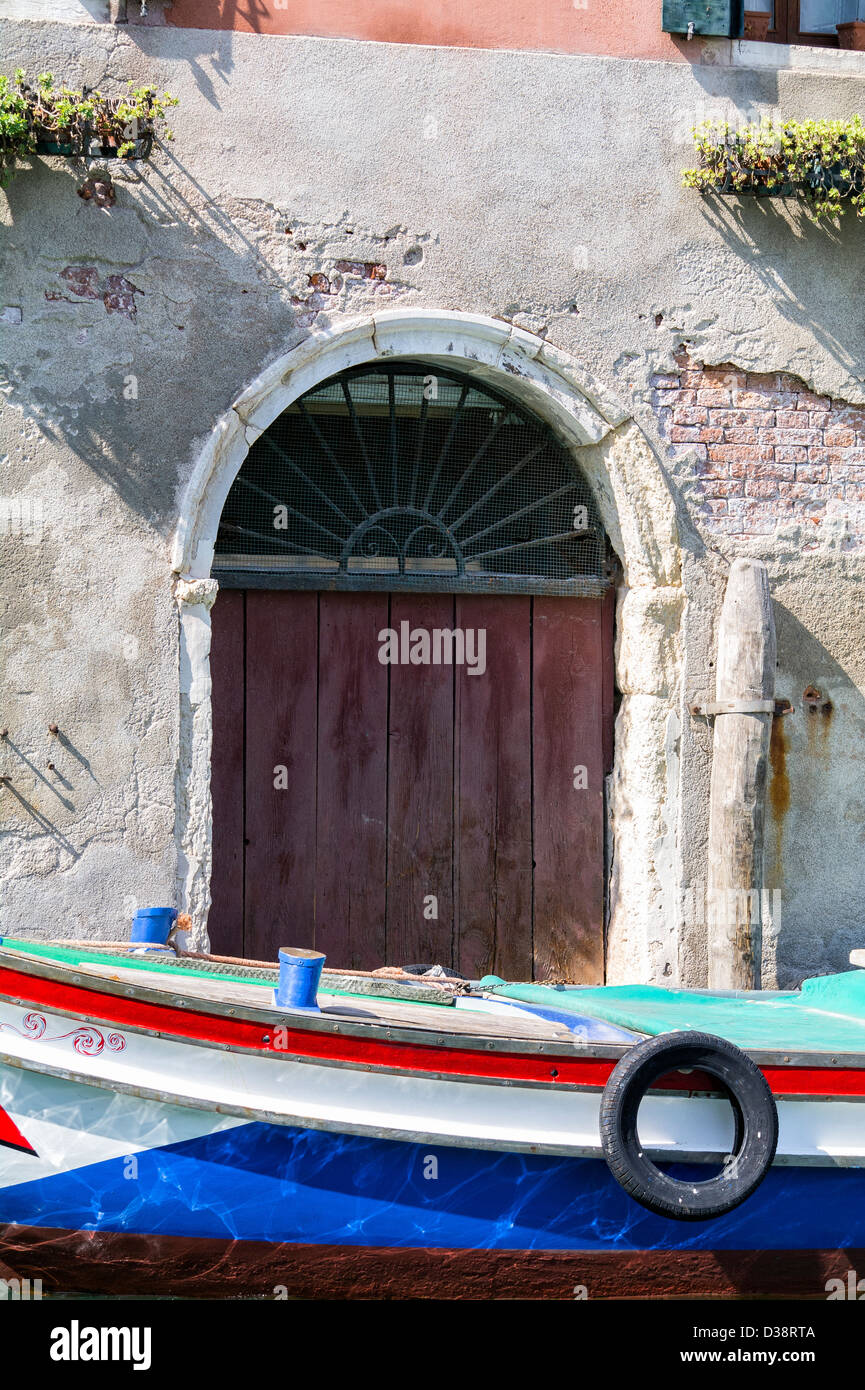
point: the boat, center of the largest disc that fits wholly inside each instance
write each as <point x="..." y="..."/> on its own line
<point x="181" y="1125"/>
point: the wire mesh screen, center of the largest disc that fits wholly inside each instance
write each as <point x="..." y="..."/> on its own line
<point x="408" y="477"/>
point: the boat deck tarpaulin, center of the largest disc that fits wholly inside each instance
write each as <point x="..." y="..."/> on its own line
<point x="826" y="1015"/>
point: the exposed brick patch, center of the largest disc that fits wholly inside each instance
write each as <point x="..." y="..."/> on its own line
<point x="324" y="287"/>
<point x="768" y="449"/>
<point x="118" y="296"/>
<point x="362" y="270"/>
<point x="82" y="280"/>
<point x="98" y="190"/>
<point x="116" y="292"/>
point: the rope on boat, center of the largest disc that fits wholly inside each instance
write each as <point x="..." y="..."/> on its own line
<point x="264" y="970"/>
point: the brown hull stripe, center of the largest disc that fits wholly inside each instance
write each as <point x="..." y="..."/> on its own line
<point x="106" y="1262"/>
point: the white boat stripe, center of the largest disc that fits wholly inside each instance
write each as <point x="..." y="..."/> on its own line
<point x="398" y="1105"/>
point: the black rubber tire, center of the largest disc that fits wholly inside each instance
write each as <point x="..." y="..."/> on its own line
<point x="756" y="1133"/>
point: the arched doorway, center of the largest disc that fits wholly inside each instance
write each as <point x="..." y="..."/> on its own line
<point x="412" y="684"/>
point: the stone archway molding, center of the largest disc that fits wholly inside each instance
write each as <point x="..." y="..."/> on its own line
<point x="638" y="513"/>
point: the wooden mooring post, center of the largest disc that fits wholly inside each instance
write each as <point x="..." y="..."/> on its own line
<point x="744" y="707"/>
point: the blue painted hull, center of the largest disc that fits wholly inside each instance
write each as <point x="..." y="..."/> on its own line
<point x="260" y="1182"/>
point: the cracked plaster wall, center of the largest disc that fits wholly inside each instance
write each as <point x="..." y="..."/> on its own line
<point x="540" y="189"/>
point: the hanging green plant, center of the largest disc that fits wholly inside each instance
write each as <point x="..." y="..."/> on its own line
<point x="820" y="161"/>
<point x="45" y="119"/>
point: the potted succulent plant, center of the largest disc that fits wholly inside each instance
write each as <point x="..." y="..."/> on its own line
<point x="16" y="137"/>
<point x="46" y="119"/>
<point x="820" y="161"/>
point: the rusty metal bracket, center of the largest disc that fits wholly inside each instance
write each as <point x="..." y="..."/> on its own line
<point x="708" y="709"/>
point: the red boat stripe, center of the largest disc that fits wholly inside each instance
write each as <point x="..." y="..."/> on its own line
<point x="11" y="1136"/>
<point x="373" y="1052"/>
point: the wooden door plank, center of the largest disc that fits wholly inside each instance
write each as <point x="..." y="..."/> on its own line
<point x="352" y="782"/>
<point x="281" y="700"/>
<point x="568" y="822"/>
<point x="227" y="641"/>
<point x="420" y="794"/>
<point x="608" y="666"/>
<point x="494" y="816"/>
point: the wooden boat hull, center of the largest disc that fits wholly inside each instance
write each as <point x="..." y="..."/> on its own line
<point x="142" y="1141"/>
<point x="119" y="1263"/>
<point x="274" y="1211"/>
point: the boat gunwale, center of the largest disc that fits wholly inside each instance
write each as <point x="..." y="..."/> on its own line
<point x="389" y="1033"/>
<point x="359" y="1064"/>
<point x="416" y="1034"/>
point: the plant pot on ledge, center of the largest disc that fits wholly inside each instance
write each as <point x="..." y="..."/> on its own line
<point x="95" y="148"/>
<point x="56" y="147"/>
<point x="47" y="119"/>
<point x="757" y="25"/>
<point x="852" y="34"/>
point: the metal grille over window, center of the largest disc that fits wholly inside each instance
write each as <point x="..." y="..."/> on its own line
<point x="410" y="477"/>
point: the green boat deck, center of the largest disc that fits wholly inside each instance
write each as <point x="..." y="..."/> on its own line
<point x="196" y="969"/>
<point x="826" y="1015"/>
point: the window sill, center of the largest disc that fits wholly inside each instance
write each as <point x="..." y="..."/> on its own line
<point x="746" y="53"/>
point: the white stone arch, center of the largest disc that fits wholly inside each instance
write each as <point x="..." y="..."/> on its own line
<point x="638" y="513"/>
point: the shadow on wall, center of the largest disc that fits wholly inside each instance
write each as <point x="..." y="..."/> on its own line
<point x="815" y="814"/>
<point x="217" y="20"/>
<point x="744" y="91"/>
<point x="171" y="298"/>
<point x="761" y="232"/>
<point x="810" y="270"/>
<point x="218" y="49"/>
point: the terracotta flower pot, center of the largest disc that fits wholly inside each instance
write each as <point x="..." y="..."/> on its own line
<point x="757" y="25"/>
<point x="852" y="34"/>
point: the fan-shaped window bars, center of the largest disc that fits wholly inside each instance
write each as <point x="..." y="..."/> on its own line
<point x="407" y="476"/>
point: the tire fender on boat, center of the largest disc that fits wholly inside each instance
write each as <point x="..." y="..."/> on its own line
<point x="755" y="1116"/>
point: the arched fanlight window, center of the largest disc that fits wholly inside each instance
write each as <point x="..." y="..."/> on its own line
<point x="410" y="476"/>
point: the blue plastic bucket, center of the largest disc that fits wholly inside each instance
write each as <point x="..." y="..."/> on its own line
<point x="152" y="924"/>
<point x="299" y="976"/>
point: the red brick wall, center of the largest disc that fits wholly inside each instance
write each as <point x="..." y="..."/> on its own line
<point x="768" y="450"/>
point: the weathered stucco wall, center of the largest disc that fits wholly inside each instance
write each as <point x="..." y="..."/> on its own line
<point x="536" y="188"/>
<point x="629" y="27"/>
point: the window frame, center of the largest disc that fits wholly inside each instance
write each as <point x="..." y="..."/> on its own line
<point x="260" y="567"/>
<point x="786" y="28"/>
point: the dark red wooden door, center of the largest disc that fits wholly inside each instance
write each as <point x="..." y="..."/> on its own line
<point x="411" y="814"/>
